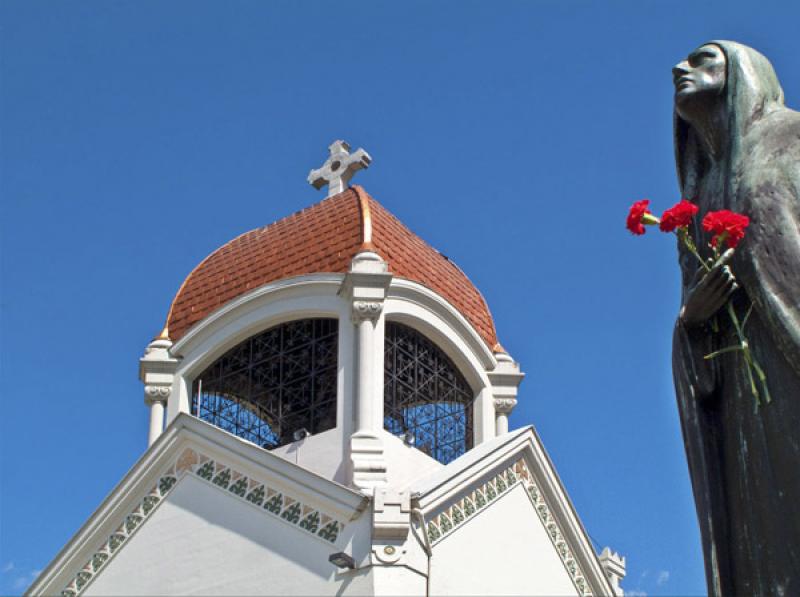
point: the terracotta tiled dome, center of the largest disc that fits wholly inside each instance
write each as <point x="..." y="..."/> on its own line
<point x="323" y="238"/>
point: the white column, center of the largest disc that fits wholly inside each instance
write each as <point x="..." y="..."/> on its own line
<point x="365" y="316"/>
<point x="502" y="408"/>
<point x="156" y="397"/>
<point x="365" y="286"/>
<point x="505" y="380"/>
<point x="366" y="445"/>
<point x="157" y="372"/>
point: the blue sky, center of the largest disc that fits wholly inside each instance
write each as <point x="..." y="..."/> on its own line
<point x="512" y="136"/>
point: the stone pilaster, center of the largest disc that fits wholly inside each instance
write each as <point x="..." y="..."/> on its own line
<point x="157" y="372"/>
<point x="505" y="380"/>
<point x="614" y="566"/>
<point x="365" y="287"/>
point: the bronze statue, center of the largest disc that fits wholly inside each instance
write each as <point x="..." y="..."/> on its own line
<point x="737" y="147"/>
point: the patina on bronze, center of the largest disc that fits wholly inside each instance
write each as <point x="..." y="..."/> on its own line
<point x="737" y="147"/>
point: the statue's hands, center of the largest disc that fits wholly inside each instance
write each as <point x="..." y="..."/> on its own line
<point x="708" y="292"/>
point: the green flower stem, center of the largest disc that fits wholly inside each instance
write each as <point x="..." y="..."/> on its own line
<point x="746" y="353"/>
<point x="716" y="353"/>
<point x="744" y="346"/>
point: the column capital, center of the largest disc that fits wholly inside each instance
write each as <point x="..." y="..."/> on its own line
<point x="504" y="405"/>
<point x="156" y="393"/>
<point x="366" y="310"/>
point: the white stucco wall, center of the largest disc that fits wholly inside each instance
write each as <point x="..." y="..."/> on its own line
<point x="406" y="463"/>
<point x="203" y="541"/>
<point x="502" y="550"/>
<point x="323" y="453"/>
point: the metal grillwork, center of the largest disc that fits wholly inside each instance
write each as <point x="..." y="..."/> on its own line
<point x="273" y="384"/>
<point x="426" y="395"/>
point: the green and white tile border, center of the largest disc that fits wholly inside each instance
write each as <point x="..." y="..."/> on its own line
<point x="446" y="521"/>
<point x="272" y="501"/>
<point x="118" y="538"/>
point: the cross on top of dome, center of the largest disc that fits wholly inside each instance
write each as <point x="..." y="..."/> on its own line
<point x="339" y="168"/>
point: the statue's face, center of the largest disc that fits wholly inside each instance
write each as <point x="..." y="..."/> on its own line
<point x="700" y="76"/>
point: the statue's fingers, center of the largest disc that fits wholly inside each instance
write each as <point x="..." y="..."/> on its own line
<point x="725" y="258"/>
<point x="718" y="289"/>
<point x="724" y="277"/>
<point x="698" y="276"/>
<point x="720" y="294"/>
<point x="729" y="292"/>
<point x="717" y="278"/>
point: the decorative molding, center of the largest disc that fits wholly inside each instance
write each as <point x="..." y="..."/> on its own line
<point x="446" y="521"/>
<point x="254" y="311"/>
<point x="363" y="310"/>
<point x="273" y="502"/>
<point x="504" y="405"/>
<point x="270" y="500"/>
<point x="407" y="293"/>
<point x="132" y="522"/>
<point x="391" y="515"/>
<point x="156" y="393"/>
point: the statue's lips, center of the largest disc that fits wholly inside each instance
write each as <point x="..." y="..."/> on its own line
<point x="683" y="82"/>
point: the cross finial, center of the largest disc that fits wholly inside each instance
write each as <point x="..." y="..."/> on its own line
<point x="339" y="168"/>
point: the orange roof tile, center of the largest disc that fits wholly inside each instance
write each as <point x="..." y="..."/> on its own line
<point x="323" y="238"/>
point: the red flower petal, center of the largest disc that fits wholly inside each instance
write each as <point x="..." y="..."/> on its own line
<point x="678" y="216"/>
<point x="637" y="211"/>
<point x="727" y="225"/>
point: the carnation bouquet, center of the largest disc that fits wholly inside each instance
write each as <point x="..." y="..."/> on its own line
<point x="726" y="228"/>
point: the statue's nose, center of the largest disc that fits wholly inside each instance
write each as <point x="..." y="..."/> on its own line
<point x="680" y="69"/>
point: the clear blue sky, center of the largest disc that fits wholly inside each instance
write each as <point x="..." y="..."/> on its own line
<point x="139" y="136"/>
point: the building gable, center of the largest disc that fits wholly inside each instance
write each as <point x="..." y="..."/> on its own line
<point x="460" y="500"/>
<point x="205" y="539"/>
<point x="232" y="474"/>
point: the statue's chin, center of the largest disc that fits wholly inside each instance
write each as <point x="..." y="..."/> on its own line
<point x="683" y="96"/>
<point x="682" y="104"/>
<point x="690" y="104"/>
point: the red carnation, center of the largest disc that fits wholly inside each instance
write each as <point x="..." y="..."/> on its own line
<point x="639" y="215"/>
<point x="678" y="216"/>
<point x="726" y="226"/>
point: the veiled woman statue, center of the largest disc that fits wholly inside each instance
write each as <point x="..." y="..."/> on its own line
<point x="737" y="147"/>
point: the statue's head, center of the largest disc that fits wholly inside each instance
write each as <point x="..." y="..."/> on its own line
<point x="730" y="81"/>
<point x="700" y="79"/>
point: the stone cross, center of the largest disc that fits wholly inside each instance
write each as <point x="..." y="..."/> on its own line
<point x="339" y="168"/>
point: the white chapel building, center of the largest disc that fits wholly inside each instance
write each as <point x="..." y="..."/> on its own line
<point x="329" y="416"/>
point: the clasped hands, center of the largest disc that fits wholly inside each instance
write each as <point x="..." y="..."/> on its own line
<point x="708" y="292"/>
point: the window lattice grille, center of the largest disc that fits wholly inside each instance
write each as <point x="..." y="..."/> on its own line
<point x="426" y="395"/>
<point x="273" y="384"/>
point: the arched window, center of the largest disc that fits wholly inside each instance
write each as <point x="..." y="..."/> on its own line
<point x="425" y="395"/>
<point x="273" y="384"/>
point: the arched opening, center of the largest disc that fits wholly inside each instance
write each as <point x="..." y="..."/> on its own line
<point x="425" y="396"/>
<point x="274" y="385"/>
